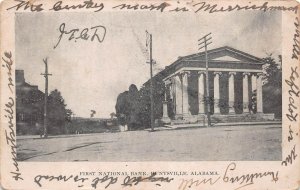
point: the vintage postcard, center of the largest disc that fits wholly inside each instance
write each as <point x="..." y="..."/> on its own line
<point x="182" y="95"/>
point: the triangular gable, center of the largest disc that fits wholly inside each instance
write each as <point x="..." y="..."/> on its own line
<point x="224" y="54"/>
<point x="226" y="58"/>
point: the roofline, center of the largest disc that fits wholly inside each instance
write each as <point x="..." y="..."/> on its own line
<point x="211" y="51"/>
<point x="222" y="48"/>
<point x="219" y="61"/>
<point x="183" y="58"/>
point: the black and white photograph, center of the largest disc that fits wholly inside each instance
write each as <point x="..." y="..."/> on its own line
<point x="148" y="86"/>
<point x="123" y="94"/>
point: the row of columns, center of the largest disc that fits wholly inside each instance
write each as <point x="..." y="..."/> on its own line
<point x="256" y="83"/>
<point x="179" y="89"/>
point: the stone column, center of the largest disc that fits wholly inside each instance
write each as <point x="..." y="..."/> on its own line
<point x="165" y="117"/>
<point x="231" y="92"/>
<point x="172" y="88"/>
<point x="253" y="88"/>
<point x="178" y="96"/>
<point x="245" y="93"/>
<point x="185" y="95"/>
<point x="253" y="82"/>
<point x="259" y="98"/>
<point x="173" y="95"/>
<point x="201" y="90"/>
<point x="217" y="92"/>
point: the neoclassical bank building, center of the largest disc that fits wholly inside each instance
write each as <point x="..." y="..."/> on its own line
<point x="235" y="81"/>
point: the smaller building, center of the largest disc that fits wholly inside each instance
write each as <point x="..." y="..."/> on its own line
<point x="29" y="106"/>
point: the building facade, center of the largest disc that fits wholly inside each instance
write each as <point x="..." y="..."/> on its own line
<point x="29" y="106"/>
<point x="234" y="83"/>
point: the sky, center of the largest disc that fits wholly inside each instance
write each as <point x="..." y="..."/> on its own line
<point x="90" y="75"/>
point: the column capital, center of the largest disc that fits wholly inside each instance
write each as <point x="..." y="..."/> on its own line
<point x="172" y="79"/>
<point x="178" y="75"/>
<point x="259" y="74"/>
<point x="182" y="73"/>
<point x="232" y="73"/>
<point x="218" y="73"/>
<point x="246" y="74"/>
<point x="201" y="72"/>
<point x="167" y="81"/>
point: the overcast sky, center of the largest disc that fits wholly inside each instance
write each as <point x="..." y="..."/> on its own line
<point x="90" y="75"/>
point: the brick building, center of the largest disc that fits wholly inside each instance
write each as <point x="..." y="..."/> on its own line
<point x="29" y="106"/>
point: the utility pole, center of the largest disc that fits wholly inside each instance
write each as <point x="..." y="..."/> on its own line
<point x="46" y="74"/>
<point x="203" y="43"/>
<point x="151" y="83"/>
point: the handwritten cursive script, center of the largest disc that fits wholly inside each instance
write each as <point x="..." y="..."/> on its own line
<point x="27" y="5"/>
<point x="246" y="179"/>
<point x="296" y="45"/>
<point x="292" y="114"/>
<point x="58" y="6"/>
<point x="289" y="159"/>
<point x="11" y="137"/>
<point x="8" y="65"/>
<point x="161" y="7"/>
<point x="186" y="184"/>
<point x="76" y="34"/>
<point x="38" y="179"/>
<point x="204" y="6"/>
<point x="106" y="180"/>
<point x="10" y="134"/>
<point x="109" y="179"/>
<point x="130" y="181"/>
<point x="293" y="93"/>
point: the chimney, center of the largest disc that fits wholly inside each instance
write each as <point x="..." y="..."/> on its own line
<point x="20" y="79"/>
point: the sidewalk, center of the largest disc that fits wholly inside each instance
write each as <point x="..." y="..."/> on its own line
<point x="24" y="137"/>
<point x="199" y="125"/>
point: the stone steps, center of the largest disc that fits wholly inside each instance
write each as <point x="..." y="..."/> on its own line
<point x="225" y="119"/>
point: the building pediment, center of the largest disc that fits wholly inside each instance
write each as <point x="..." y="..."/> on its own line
<point x="224" y="54"/>
<point x="225" y="58"/>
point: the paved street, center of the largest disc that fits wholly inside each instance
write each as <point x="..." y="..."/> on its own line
<point x="257" y="142"/>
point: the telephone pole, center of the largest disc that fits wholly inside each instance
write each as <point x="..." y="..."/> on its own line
<point x="203" y="43"/>
<point x="46" y="74"/>
<point x="151" y="82"/>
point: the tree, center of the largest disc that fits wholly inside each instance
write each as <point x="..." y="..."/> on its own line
<point x="58" y="115"/>
<point x="133" y="119"/>
<point x="273" y="71"/>
<point x="272" y="89"/>
<point x="121" y="107"/>
<point x="128" y="108"/>
<point x="145" y="101"/>
<point x="69" y="114"/>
